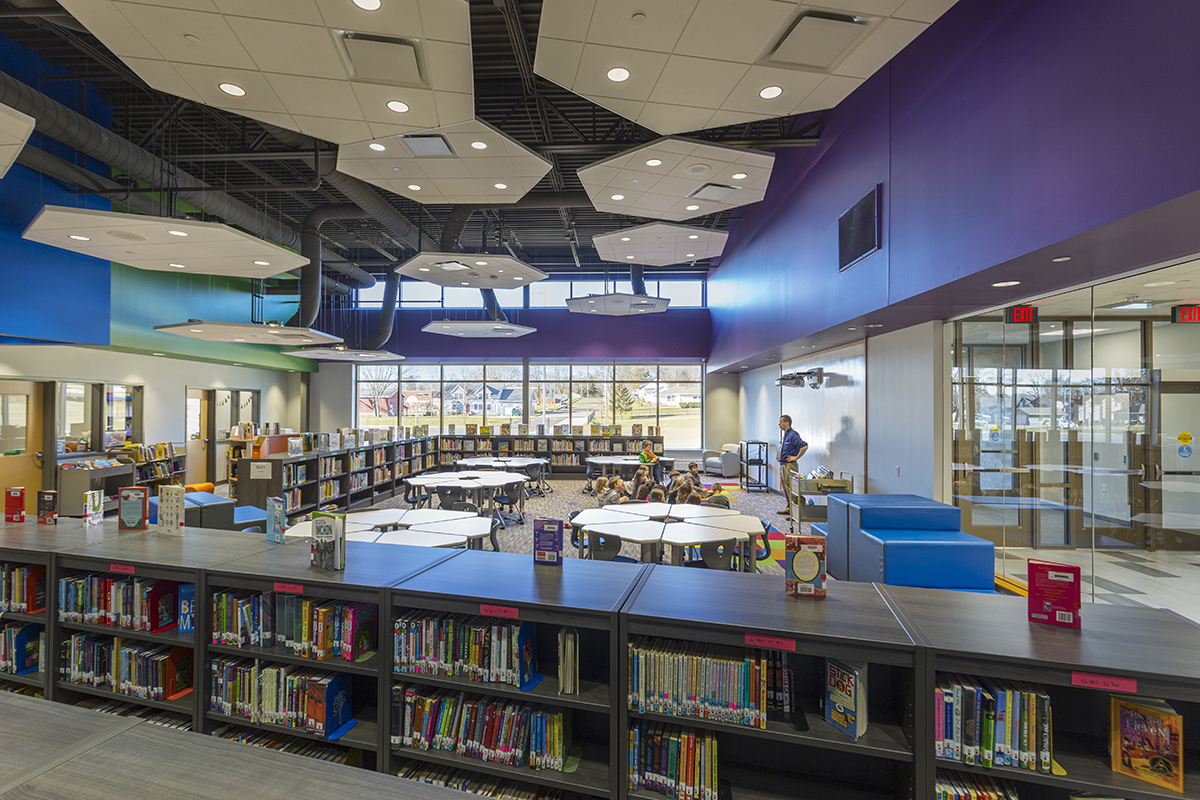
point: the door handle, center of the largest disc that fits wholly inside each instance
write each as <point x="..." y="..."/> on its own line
<point x="1158" y="472"/>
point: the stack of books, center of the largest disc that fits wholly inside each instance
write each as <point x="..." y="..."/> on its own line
<point x="993" y="723"/>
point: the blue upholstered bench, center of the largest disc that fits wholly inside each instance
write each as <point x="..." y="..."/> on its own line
<point x="215" y="511"/>
<point x="191" y="513"/>
<point x="937" y="559"/>
<point x="249" y="516"/>
<point x="837" y="528"/>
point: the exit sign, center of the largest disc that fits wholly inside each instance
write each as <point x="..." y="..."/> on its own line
<point x="1185" y="314"/>
<point x="1021" y="315"/>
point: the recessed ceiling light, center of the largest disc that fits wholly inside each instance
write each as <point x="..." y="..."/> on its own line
<point x="591" y="301"/>
<point x="191" y="37"/>
<point x="397" y="106"/>
<point x="618" y="74"/>
<point x="160" y="354"/>
<point x="508" y="334"/>
<point x="79" y="238"/>
<point x="618" y="197"/>
<point x="177" y="266"/>
<point x="500" y="185"/>
<point x="481" y="263"/>
<point x="770" y="92"/>
<point x="624" y="238"/>
<point x="377" y="147"/>
<point x="594" y="310"/>
<point x="479" y="145"/>
<point x="737" y="176"/>
<point x="1061" y="259"/>
<point x="499" y="270"/>
<point x="461" y="333"/>
<point x="851" y="329"/>
<point x="1156" y="284"/>
<point x="873" y="325"/>
<point x="518" y="278"/>
<point x="654" y="162"/>
<point x="177" y="233"/>
<point x="691" y="255"/>
<point x="466" y="283"/>
<point x="368" y="5"/>
<point x="423" y="269"/>
<point x="262" y="263"/>
<point x="291" y="370"/>
<point x="1006" y="284"/>
<point x="629" y="258"/>
<point x="693" y="208"/>
<point x="275" y="332"/>
<point x="239" y="340"/>
<point x="196" y="330"/>
<point x="445" y="327"/>
<point x="412" y="187"/>
<point x="237" y="363"/>
<point x="694" y="236"/>
<point x="233" y="90"/>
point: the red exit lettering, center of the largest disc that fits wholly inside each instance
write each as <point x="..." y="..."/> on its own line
<point x="1021" y="315"/>
<point x="1187" y="313"/>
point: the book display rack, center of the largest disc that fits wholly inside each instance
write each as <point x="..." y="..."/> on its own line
<point x="441" y="631"/>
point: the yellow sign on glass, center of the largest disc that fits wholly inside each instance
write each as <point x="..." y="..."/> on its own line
<point x="1185" y="437"/>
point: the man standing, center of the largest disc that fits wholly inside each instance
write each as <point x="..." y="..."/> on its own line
<point x="791" y="448"/>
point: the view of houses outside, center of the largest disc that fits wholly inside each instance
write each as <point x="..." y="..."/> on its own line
<point x="669" y="395"/>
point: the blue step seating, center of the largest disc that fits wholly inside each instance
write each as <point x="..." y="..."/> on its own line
<point x="904" y="540"/>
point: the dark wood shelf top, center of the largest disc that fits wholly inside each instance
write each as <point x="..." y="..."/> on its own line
<point x="36" y="730"/>
<point x="1126" y="639"/>
<point x="592" y="776"/>
<point x="368" y="666"/>
<point x="171" y="637"/>
<point x="364" y="735"/>
<point x="750" y="784"/>
<point x="592" y="696"/>
<point x="35" y="678"/>
<point x="882" y="740"/>
<point x="513" y="578"/>
<point x="367" y="564"/>
<point x="182" y="705"/>
<point x="195" y="549"/>
<point x="68" y="534"/>
<point x="852" y="613"/>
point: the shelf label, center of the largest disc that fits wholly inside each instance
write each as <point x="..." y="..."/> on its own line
<point x="498" y="611"/>
<point x="770" y="642"/>
<point x="289" y="588"/>
<point x="123" y="569"/>
<point x="1110" y="683"/>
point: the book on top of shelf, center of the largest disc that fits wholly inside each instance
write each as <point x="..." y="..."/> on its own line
<point x="93" y="507"/>
<point x="522" y="429"/>
<point x="328" y="540"/>
<point x="541" y="429"/>
<point x="133" y="508"/>
<point x="1146" y="740"/>
<point x="805" y="565"/>
<point x="276" y="519"/>
<point x="576" y="430"/>
<point x="450" y="428"/>
<point x="47" y="507"/>
<point x="636" y="429"/>
<point x="548" y="542"/>
<point x="295" y="446"/>
<point x="506" y="429"/>
<point x="486" y="430"/>
<point x="1054" y="593"/>
<point x="846" y="696"/>
<point x="14" y="504"/>
<point x="472" y="430"/>
<point x="595" y="429"/>
<point x="171" y="508"/>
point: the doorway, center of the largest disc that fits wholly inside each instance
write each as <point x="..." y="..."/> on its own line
<point x="1173" y="474"/>
<point x="199" y="436"/>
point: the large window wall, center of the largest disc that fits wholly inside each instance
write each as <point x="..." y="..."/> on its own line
<point x="666" y="395"/>
<point x="1072" y="437"/>
<point x="683" y="292"/>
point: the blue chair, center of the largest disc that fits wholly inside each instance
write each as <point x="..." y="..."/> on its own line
<point x="249" y="515"/>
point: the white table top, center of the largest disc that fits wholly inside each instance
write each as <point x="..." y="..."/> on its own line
<point x="470" y="527"/>
<point x="421" y="539"/>
<point x="424" y="516"/>
<point x="590" y="516"/>
<point x="640" y="532"/>
<point x="476" y="479"/>
<point x="383" y="516"/>
<point x="691" y="511"/>
<point x="689" y="533"/>
<point x="363" y="536"/>
<point x="738" y="522"/>
<point x="488" y="461"/>
<point x="304" y="528"/>
<point x="648" y="510"/>
<point x="613" y="460"/>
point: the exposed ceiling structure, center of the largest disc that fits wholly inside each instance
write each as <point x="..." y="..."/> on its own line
<point x="262" y="157"/>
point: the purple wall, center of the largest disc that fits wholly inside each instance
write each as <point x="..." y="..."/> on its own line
<point x="682" y="333"/>
<point x="1007" y="127"/>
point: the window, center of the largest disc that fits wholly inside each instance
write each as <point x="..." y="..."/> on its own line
<point x="421" y="396"/>
<point x="372" y="297"/>
<point x="462" y="393"/>
<point x="502" y="392"/>
<point x="682" y="294"/>
<point x="75" y="416"/>
<point x="459" y="297"/>
<point x="378" y="396"/>
<point x="419" y="294"/>
<point x="549" y="294"/>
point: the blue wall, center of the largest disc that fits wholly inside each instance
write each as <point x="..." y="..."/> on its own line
<point x="1005" y="128"/>
<point x="49" y="295"/>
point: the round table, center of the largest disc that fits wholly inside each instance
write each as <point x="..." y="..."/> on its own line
<point x="599" y="516"/>
<point x="646" y="510"/>
<point x="424" y="516"/>
<point x="421" y="539"/>
<point x="514" y="462"/>
<point x="691" y="511"/>
<point x="473" y="529"/>
<point x="690" y="534"/>
<point x="645" y="532"/>
<point x="712" y="524"/>
<point x="304" y="528"/>
<point x="378" y="518"/>
<point x="478" y="482"/>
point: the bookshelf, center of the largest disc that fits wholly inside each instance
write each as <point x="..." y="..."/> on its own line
<point x="749" y="612"/>
<point x="565" y="453"/>
<point x="74" y="483"/>
<point x="509" y="588"/>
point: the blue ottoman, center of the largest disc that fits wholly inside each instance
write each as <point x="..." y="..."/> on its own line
<point x="930" y="559"/>
<point x="837" y="529"/>
<point x="191" y="513"/>
<point x="249" y="516"/>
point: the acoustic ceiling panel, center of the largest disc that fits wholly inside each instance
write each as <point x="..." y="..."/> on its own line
<point x="248" y="332"/>
<point x="676" y="178"/>
<point x="477" y="329"/>
<point x="470" y="270"/>
<point x="471" y="162"/>
<point x="328" y="68"/>
<point x="344" y="354"/>
<point x="15" y="128"/>
<point x="659" y="244"/>
<point x="681" y="65"/>
<point x="160" y="243"/>
<point x="618" y="304"/>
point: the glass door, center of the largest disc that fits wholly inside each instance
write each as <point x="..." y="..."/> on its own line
<point x="1175" y="476"/>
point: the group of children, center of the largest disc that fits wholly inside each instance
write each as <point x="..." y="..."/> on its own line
<point x="679" y="487"/>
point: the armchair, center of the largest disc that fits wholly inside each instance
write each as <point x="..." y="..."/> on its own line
<point x="724" y="462"/>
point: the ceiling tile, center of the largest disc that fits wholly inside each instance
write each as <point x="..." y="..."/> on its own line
<point x="446" y="20"/>
<point x="166" y="78"/>
<point x="335" y="101"/>
<point x="796" y="85"/>
<point x="374" y="99"/>
<point x="450" y="65"/>
<point x="111" y="27"/>
<point x="557" y="60"/>
<point x="566" y="20"/>
<point x="688" y="81"/>
<point x="923" y="10"/>
<point x="290" y="49"/>
<point x="878" y="47"/>
<point x="613" y="23"/>
<point x="393" y="18"/>
<point x="303" y="12"/>
<point x="592" y="78"/>
<point x="206" y="80"/>
<point x="674" y="119"/>
<point x="335" y="130"/>
<point x="441" y="167"/>
<point x="741" y="31"/>
<point x="833" y="90"/>
<point x="165" y="28"/>
<point x="869" y="8"/>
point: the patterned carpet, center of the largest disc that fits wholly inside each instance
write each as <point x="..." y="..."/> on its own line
<point x="567" y="497"/>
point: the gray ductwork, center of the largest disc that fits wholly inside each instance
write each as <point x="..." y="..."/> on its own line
<point x="460" y="215"/>
<point x="310" y="248"/>
<point x="492" y="305"/>
<point x="637" y="277"/>
<point x="387" y="314"/>
<point x="54" y="167"/>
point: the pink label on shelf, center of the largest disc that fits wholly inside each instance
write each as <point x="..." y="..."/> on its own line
<point x="772" y="642"/>
<point x="290" y="588"/>
<point x="498" y="611"/>
<point x="1110" y="683"/>
<point x="124" y="569"/>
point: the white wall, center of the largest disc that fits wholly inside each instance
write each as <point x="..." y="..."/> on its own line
<point x="331" y="397"/>
<point x="722" y="423"/>
<point x="758" y="417"/>
<point x="833" y="418"/>
<point x="907" y="384"/>
<point x="165" y="380"/>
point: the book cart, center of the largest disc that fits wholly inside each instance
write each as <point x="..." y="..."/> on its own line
<point x="141" y="554"/>
<point x="510" y="588"/>
<point x="285" y="570"/>
<point x="750" y="613"/>
<point x="1128" y="649"/>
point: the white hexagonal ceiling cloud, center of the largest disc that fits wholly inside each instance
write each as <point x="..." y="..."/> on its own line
<point x="15" y="128"/>
<point x="683" y="65"/>
<point x="327" y="68"/>
<point x="477" y="329"/>
<point x="660" y="244"/>
<point x="676" y="178"/>
<point x="617" y="304"/>
<point x="470" y="270"/>
<point x="471" y="162"/>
